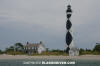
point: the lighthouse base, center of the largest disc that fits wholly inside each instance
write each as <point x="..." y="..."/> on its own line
<point x="73" y="52"/>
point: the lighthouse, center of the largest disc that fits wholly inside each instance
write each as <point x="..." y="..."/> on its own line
<point x="70" y="49"/>
<point x="69" y="37"/>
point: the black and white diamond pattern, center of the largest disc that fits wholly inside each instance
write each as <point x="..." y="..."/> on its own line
<point x="69" y="37"/>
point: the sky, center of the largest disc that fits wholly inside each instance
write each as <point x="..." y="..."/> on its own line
<point x="45" y="20"/>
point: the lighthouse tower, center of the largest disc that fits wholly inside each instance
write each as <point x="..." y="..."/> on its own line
<point x="71" y="50"/>
<point x="69" y="37"/>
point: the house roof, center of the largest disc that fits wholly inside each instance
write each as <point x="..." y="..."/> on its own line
<point x="34" y="44"/>
<point x="31" y="45"/>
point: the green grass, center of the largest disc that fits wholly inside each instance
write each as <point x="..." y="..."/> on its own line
<point x="49" y="54"/>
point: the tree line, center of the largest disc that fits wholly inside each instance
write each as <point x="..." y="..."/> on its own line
<point x="18" y="48"/>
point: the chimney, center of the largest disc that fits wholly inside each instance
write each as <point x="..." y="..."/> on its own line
<point x="27" y="42"/>
<point x="40" y="42"/>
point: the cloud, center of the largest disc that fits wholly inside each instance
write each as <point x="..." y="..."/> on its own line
<point x="36" y="20"/>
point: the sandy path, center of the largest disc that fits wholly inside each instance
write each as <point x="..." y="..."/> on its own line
<point x="91" y="57"/>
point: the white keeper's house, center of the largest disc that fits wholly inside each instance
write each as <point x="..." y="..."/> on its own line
<point x="31" y="48"/>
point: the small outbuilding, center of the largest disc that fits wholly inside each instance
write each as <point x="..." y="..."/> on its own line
<point x="74" y="51"/>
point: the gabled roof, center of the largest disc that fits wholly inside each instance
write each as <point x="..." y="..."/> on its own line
<point x="34" y="44"/>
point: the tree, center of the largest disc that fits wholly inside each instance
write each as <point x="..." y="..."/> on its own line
<point x="19" y="47"/>
<point x="0" y="51"/>
<point x="89" y="50"/>
<point x="56" y="50"/>
<point x="81" y="50"/>
<point x="97" y="48"/>
<point x="11" y="48"/>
